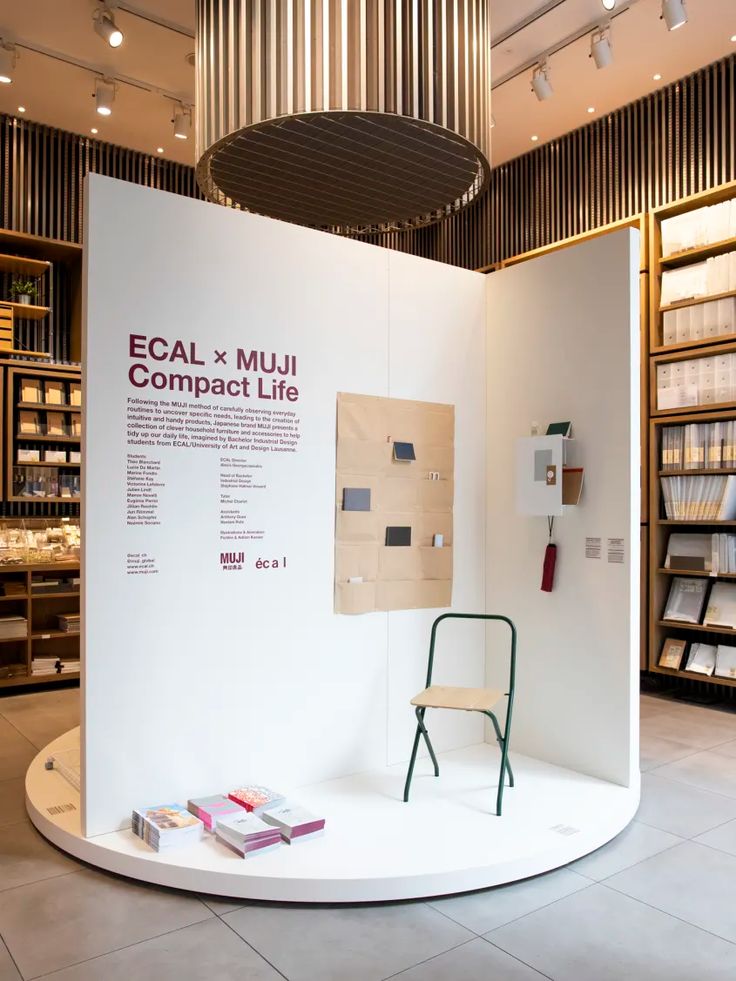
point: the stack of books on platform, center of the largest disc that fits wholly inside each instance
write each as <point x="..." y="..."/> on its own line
<point x="246" y="834"/>
<point x="69" y="622"/>
<point x="210" y="809"/>
<point x="294" y="822"/>
<point x="70" y="667"/>
<point x="255" y="798"/>
<point x="165" y="826"/>
<point x="45" y="665"/>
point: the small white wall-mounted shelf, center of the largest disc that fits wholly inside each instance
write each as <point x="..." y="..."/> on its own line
<point x="544" y="485"/>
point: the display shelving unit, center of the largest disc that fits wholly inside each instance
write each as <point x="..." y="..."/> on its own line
<point x="40" y="270"/>
<point x="15" y="439"/>
<point x="42" y="638"/>
<point x="660" y="578"/>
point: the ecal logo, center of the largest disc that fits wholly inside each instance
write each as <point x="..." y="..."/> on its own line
<point x="231" y="561"/>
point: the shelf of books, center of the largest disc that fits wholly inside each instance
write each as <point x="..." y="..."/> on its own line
<point x="693" y="273"/>
<point x="692" y="547"/>
<point x="43" y="434"/>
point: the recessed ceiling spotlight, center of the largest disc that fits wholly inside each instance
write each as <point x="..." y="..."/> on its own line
<point x="94" y="130"/>
<point x="104" y="96"/>
<point x="535" y="138"/>
<point x="674" y="14"/>
<point x="601" y="49"/>
<point x="8" y="58"/>
<point x="541" y="85"/>
<point x="608" y="4"/>
<point x="657" y="77"/>
<point x="733" y="37"/>
<point x="159" y="149"/>
<point x="182" y="122"/>
<point x="591" y="108"/>
<point x="107" y="28"/>
<point x="21" y="108"/>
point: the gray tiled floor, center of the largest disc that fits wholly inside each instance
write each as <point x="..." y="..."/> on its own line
<point x="655" y="903"/>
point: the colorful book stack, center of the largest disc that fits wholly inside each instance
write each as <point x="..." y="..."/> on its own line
<point x="295" y="823"/>
<point x="255" y="798"/>
<point x="166" y="826"/>
<point x="246" y="834"/>
<point x="209" y="810"/>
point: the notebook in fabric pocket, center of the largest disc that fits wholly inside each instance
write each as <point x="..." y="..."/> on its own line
<point x="398" y="535"/>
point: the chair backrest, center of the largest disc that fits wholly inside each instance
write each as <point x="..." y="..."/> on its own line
<point x="474" y="616"/>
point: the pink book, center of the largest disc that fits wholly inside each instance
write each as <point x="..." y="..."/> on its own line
<point x="255" y="798"/>
<point x="209" y="809"/>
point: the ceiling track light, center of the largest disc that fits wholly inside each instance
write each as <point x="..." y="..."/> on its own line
<point x="674" y="14"/>
<point x="601" y="49"/>
<point x="8" y="58"/>
<point x="541" y="85"/>
<point x="106" y="27"/>
<point x="182" y="122"/>
<point x="608" y="4"/>
<point x="104" y="96"/>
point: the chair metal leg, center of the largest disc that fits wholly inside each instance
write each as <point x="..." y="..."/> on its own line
<point x="420" y="721"/>
<point x="421" y="731"/>
<point x="500" y="740"/>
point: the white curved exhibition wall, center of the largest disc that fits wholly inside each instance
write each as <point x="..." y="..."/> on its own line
<point x="202" y="670"/>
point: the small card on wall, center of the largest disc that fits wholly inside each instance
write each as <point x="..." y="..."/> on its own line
<point x="404" y="452"/>
<point x="592" y="548"/>
<point x="616" y="550"/>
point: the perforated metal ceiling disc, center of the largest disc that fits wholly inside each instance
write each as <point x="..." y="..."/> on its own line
<point x="346" y="171"/>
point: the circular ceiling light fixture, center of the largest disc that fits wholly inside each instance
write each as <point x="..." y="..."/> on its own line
<point x="8" y="58"/>
<point x="608" y="4"/>
<point x="359" y="126"/>
<point x="104" y="96"/>
<point x="107" y="28"/>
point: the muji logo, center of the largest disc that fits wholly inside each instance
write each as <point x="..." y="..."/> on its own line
<point x="230" y="561"/>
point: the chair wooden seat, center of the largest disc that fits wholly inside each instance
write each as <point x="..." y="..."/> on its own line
<point x="465" y="699"/>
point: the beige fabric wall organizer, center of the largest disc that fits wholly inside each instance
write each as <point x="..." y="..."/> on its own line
<point x="417" y="494"/>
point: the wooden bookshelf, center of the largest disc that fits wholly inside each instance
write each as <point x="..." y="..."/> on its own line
<point x="42" y="637"/>
<point x="37" y="377"/>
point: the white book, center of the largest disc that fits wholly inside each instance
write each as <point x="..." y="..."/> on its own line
<point x="721" y="609"/>
<point x="689" y="551"/>
<point x="702" y="659"/>
<point x="727" y="507"/>
<point x="725" y="661"/>
<point x="242" y="827"/>
<point x="686" y="599"/>
<point x="293" y="820"/>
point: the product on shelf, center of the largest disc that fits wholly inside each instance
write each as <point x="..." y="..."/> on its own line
<point x="54" y="392"/>
<point x="702" y="659"/>
<point x="704" y="498"/>
<point x="725" y="661"/>
<point x="30" y="390"/>
<point x="29" y="423"/>
<point x="75" y="393"/>
<point x="714" y="276"/>
<point x="701" y="321"/>
<point x="721" y="609"/>
<point x="699" y="446"/>
<point x="673" y="651"/>
<point x="69" y="622"/>
<point x="703" y="226"/>
<point x="13" y="628"/>
<point x="165" y="826"/>
<point x="697" y="381"/>
<point x="689" y="552"/>
<point x="686" y="600"/>
<point x="37" y="541"/>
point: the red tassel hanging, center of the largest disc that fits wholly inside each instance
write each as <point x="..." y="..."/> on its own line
<point x="550" y="560"/>
<point x="548" y="570"/>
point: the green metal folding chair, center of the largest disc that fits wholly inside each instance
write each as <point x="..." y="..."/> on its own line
<point x="465" y="700"/>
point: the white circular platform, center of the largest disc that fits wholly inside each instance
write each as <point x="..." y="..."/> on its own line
<point x="375" y="847"/>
